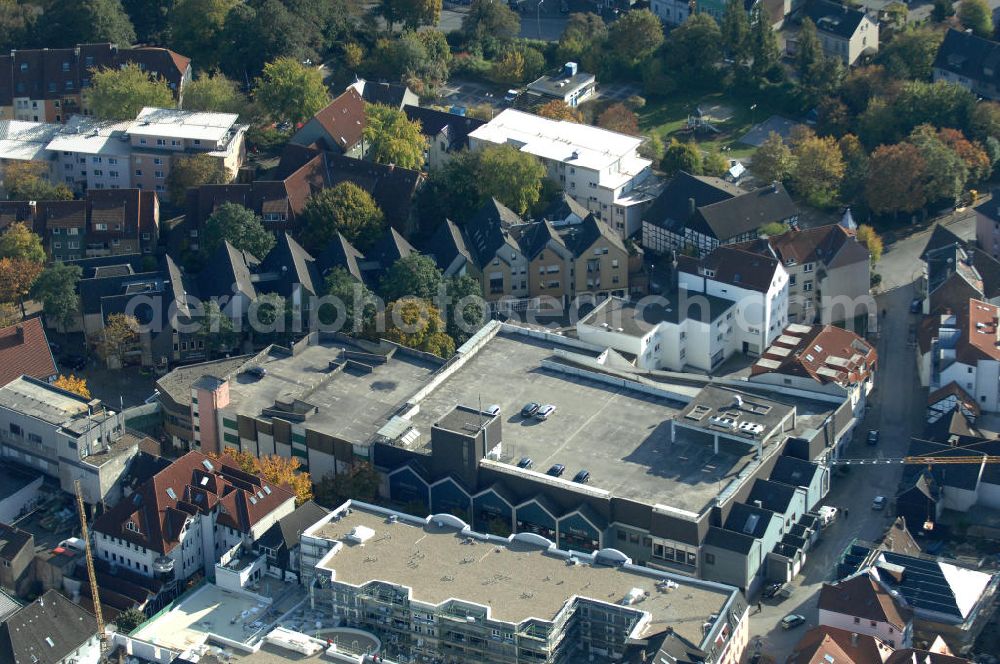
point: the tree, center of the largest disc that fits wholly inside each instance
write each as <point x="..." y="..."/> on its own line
<point x="910" y="54"/>
<point x="119" y="336"/>
<point x="764" y="49"/>
<point x="411" y="13"/>
<point x="392" y="138"/>
<point x="345" y="208"/>
<point x="512" y="177"/>
<point x="10" y="314"/>
<point x="809" y="53"/>
<point x="772" y="228"/>
<point x="509" y="68"/>
<point x="413" y="276"/>
<point x="357" y="302"/>
<point x="416" y="323"/>
<point x="489" y="24"/>
<point x="129" y="619"/>
<point x="773" y="160"/>
<point x="652" y="147"/>
<point x="867" y="236"/>
<point x="28" y="181"/>
<point x="119" y="94"/>
<point x="635" y="36"/>
<point x="278" y="470"/>
<point x="819" y="169"/>
<point x="977" y="16"/>
<point x="194" y="171"/>
<point x="71" y="22"/>
<point x="196" y="28"/>
<point x="895" y="16"/>
<point x="559" y="110"/>
<point x="20" y="242"/>
<point x="288" y="90"/>
<point x="150" y="19"/>
<point x="216" y="330"/>
<point x="216" y="94"/>
<point x="693" y="51"/>
<point x="618" y="117"/>
<point x="942" y="11"/>
<point x="359" y="483"/>
<point x="855" y="168"/>
<point x="233" y="223"/>
<point x="984" y="122"/>
<point x="16" y="278"/>
<point x="451" y="191"/>
<point x="681" y="157"/>
<point x="715" y="163"/>
<point x="73" y="384"/>
<point x="17" y="22"/>
<point x="583" y="40"/>
<point x="896" y="175"/>
<point x="56" y="289"/>
<point x="976" y="160"/>
<point x="735" y="31"/>
<point x="466" y="312"/>
<point x="947" y="173"/>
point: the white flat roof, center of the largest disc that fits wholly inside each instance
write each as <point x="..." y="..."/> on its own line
<point x="25" y="141"/>
<point x="558" y="140"/>
<point x="176" y="123"/>
<point x="90" y="136"/>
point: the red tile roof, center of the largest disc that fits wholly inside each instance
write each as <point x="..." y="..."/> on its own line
<point x="191" y="485"/>
<point x="862" y="597"/>
<point x="845" y="647"/>
<point x="343" y="119"/>
<point x="24" y="349"/>
<point x="824" y="353"/>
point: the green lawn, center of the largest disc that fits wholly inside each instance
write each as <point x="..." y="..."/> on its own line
<point x="668" y="119"/>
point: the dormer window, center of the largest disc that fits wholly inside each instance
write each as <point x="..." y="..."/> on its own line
<point x="131" y="526"/>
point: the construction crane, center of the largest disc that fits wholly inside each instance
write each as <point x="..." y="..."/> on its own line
<point x="929" y="460"/>
<point x="94" y="595"/>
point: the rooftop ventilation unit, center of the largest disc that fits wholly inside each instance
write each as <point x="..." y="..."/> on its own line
<point x="360" y="534"/>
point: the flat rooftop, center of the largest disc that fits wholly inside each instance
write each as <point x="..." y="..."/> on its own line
<point x="49" y="404"/>
<point x="560" y="140"/>
<point x="558" y="85"/>
<point x="176" y="123"/>
<point x="25" y="141"/>
<point x="515" y="579"/>
<point x="87" y="134"/>
<point x="638" y="321"/>
<point x="621" y="436"/>
<point x="353" y="404"/>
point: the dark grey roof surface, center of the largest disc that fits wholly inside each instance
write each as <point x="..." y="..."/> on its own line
<point x="447" y="243"/>
<point x="773" y="496"/>
<point x="45" y="631"/>
<point x="340" y="253"/>
<point x="489" y="229"/>
<point x="433" y="122"/>
<point x="289" y="527"/>
<point x="794" y="472"/>
<point x="563" y="206"/>
<point x="970" y="56"/>
<point x="834" y="18"/>
<point x="747" y="212"/>
<point x="940" y="237"/>
<point x="293" y="265"/>
<point x="728" y="539"/>
<point x="748" y="520"/>
<point x="671" y="209"/>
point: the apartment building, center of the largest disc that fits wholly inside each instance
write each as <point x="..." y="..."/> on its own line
<point x="46" y="85"/>
<point x="188" y="516"/>
<point x="970" y="61"/>
<point x="600" y="169"/>
<point x="988" y="225"/>
<point x="66" y="437"/>
<point x="845" y="33"/>
<point x="540" y="604"/>
<point x="829" y="273"/>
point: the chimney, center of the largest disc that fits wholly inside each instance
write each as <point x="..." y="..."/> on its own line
<point x="20" y="334"/>
<point x="692" y="207"/>
<point x="854" y="639"/>
<point x="759" y="504"/>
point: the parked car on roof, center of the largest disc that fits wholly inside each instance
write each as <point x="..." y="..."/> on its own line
<point x="556" y="470"/>
<point x="545" y="412"/>
<point x="530" y="408"/>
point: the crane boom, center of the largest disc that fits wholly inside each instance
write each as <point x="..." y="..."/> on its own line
<point x="922" y="460"/>
<point x="85" y="534"/>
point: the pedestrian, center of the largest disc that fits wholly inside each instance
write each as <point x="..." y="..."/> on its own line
<point x="847" y="513"/>
<point x="759" y="607"/>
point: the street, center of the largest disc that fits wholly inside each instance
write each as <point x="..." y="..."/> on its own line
<point x="896" y="411"/>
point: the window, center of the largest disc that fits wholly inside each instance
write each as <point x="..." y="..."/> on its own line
<point x="157" y="161"/>
<point x="98" y="172"/>
<point x="614" y="262"/>
<point x="808" y="267"/>
<point x="112" y="161"/>
<point x="56" y="231"/>
<point x="138" y="173"/>
<point x="69" y="85"/>
<point x="161" y="141"/>
<point x="159" y="175"/>
<point x="35" y="438"/>
<point x="24" y="66"/>
<point x="142" y="141"/>
<point x="100" y="227"/>
<point x="95" y="160"/>
<point x="113" y="174"/>
<point x="807" y="286"/>
<point x="709" y="558"/>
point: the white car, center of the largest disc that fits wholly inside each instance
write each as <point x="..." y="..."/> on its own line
<point x="545" y="412"/>
<point x="492" y="409"/>
<point x="827" y="514"/>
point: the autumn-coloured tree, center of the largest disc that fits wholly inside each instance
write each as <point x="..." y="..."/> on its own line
<point x="16" y="278"/>
<point x="972" y="153"/>
<point x="19" y="241"/>
<point x="773" y="160"/>
<point x="73" y="384"/>
<point x="819" y="169"/>
<point x="9" y="314"/>
<point x="868" y="237"/>
<point x="896" y="177"/>
<point x="120" y="334"/>
<point x="508" y="69"/>
<point x="417" y="323"/>
<point x="276" y="469"/>
<point x="618" y="117"/>
<point x="559" y="110"/>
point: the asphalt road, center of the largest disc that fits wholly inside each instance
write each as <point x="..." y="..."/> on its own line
<point x="895" y="409"/>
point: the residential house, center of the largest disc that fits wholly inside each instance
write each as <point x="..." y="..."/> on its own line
<point x="829" y="273"/>
<point x="601" y="169"/>
<point x="50" y="630"/>
<point x="448" y="248"/>
<point x="494" y="248"/>
<point x="951" y="416"/>
<point x="17" y="551"/>
<point x="701" y="213"/>
<point x="820" y="358"/>
<point x="47" y="84"/>
<point x="188" y="516"/>
<point x="65" y="436"/>
<point x="959" y="487"/>
<point x="988" y="225"/>
<point x="25" y="351"/>
<point x="970" y="61"/>
<point x="955" y="273"/>
<point x="825" y="644"/>
<point x="860" y="604"/>
<point x="675" y="12"/>
<point x="961" y="346"/>
<point x="393" y="95"/>
<point x="569" y="85"/>
<point x="845" y="33"/>
<point x="281" y="542"/>
<point x="446" y="133"/>
<point x="337" y="127"/>
<point x="945" y="598"/>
